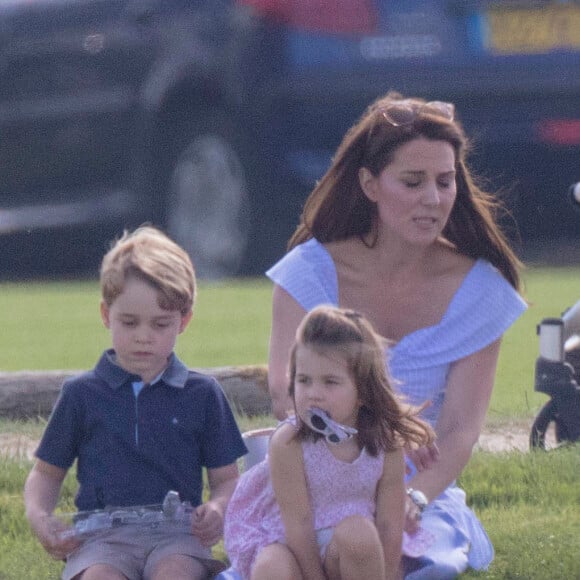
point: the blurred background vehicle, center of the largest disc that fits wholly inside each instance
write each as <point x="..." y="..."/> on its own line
<point x="213" y="119"/>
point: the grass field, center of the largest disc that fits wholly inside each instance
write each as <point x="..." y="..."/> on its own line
<point x="529" y="503"/>
<point x="57" y="326"/>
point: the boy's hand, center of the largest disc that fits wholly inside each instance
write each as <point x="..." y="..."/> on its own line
<point x="208" y="523"/>
<point x="208" y="519"/>
<point x="41" y="492"/>
<point x="48" y="530"/>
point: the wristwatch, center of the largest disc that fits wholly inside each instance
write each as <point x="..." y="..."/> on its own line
<point x="418" y="498"/>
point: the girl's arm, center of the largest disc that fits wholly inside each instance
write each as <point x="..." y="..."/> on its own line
<point x="290" y="489"/>
<point x="390" y="515"/>
<point x="462" y="416"/>
<point x="41" y="493"/>
<point x="208" y="523"/>
<point x="286" y="316"/>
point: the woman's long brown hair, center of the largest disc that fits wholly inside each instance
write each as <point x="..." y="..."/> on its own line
<point x="338" y="209"/>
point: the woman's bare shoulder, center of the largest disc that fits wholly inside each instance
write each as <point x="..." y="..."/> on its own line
<point x="446" y="261"/>
<point x="349" y="255"/>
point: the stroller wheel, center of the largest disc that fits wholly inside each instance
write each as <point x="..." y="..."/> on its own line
<point x="547" y="415"/>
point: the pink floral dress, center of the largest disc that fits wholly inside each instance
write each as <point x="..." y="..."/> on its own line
<point x="337" y="490"/>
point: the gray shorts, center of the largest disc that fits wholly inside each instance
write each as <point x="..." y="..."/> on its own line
<point x="134" y="551"/>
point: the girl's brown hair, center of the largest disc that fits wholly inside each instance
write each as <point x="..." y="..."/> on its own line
<point x="384" y="421"/>
<point x="338" y="209"/>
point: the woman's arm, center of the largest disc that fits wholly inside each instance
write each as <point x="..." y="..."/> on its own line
<point x="286" y="316"/>
<point x="391" y="511"/>
<point x="462" y="416"/>
<point x="290" y="489"/>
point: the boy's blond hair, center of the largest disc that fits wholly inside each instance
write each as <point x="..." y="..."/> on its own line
<point x="149" y="255"/>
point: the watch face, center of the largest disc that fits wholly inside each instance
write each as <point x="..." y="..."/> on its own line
<point x="418" y="498"/>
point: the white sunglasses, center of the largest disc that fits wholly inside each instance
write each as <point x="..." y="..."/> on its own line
<point x="402" y="113"/>
<point x="319" y="421"/>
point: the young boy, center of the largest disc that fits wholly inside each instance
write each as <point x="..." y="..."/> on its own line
<point x="139" y="425"/>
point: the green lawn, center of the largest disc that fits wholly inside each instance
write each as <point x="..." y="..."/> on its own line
<point x="57" y="326"/>
<point x="530" y="507"/>
<point x="529" y="503"/>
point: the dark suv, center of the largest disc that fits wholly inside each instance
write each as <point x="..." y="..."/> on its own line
<point x="213" y="119"/>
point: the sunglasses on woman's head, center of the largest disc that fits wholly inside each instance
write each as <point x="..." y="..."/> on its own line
<point x="401" y="113"/>
<point x="319" y="421"/>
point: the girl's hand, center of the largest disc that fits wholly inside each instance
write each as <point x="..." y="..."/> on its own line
<point x="207" y="523"/>
<point x="423" y="457"/>
<point x="412" y="516"/>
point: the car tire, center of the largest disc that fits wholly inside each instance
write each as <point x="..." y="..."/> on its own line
<point x="208" y="207"/>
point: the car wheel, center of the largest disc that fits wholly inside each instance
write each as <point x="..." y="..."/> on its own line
<point x="547" y="416"/>
<point x="208" y="209"/>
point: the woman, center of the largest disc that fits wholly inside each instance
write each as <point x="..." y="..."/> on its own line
<point x="398" y="230"/>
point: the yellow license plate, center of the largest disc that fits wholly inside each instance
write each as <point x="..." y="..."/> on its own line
<point x="534" y="31"/>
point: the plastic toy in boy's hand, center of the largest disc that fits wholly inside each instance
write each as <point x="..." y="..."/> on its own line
<point x="90" y="523"/>
<point x="334" y="432"/>
<point x="171" y="505"/>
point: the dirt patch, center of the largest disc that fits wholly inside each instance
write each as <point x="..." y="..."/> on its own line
<point x="15" y="445"/>
<point x="498" y="440"/>
<point x="493" y="439"/>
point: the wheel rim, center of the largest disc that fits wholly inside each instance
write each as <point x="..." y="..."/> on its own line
<point x="209" y="206"/>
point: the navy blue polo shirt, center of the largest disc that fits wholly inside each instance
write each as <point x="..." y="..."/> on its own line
<point x="132" y="449"/>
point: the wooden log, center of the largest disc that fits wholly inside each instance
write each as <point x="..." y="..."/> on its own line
<point x="28" y="394"/>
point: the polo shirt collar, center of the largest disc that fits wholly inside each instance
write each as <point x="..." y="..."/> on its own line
<point x="175" y="375"/>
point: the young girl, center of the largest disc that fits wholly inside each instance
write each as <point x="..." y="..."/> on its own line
<point x="329" y="501"/>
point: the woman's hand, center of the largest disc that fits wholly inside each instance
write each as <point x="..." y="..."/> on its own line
<point x="423" y="457"/>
